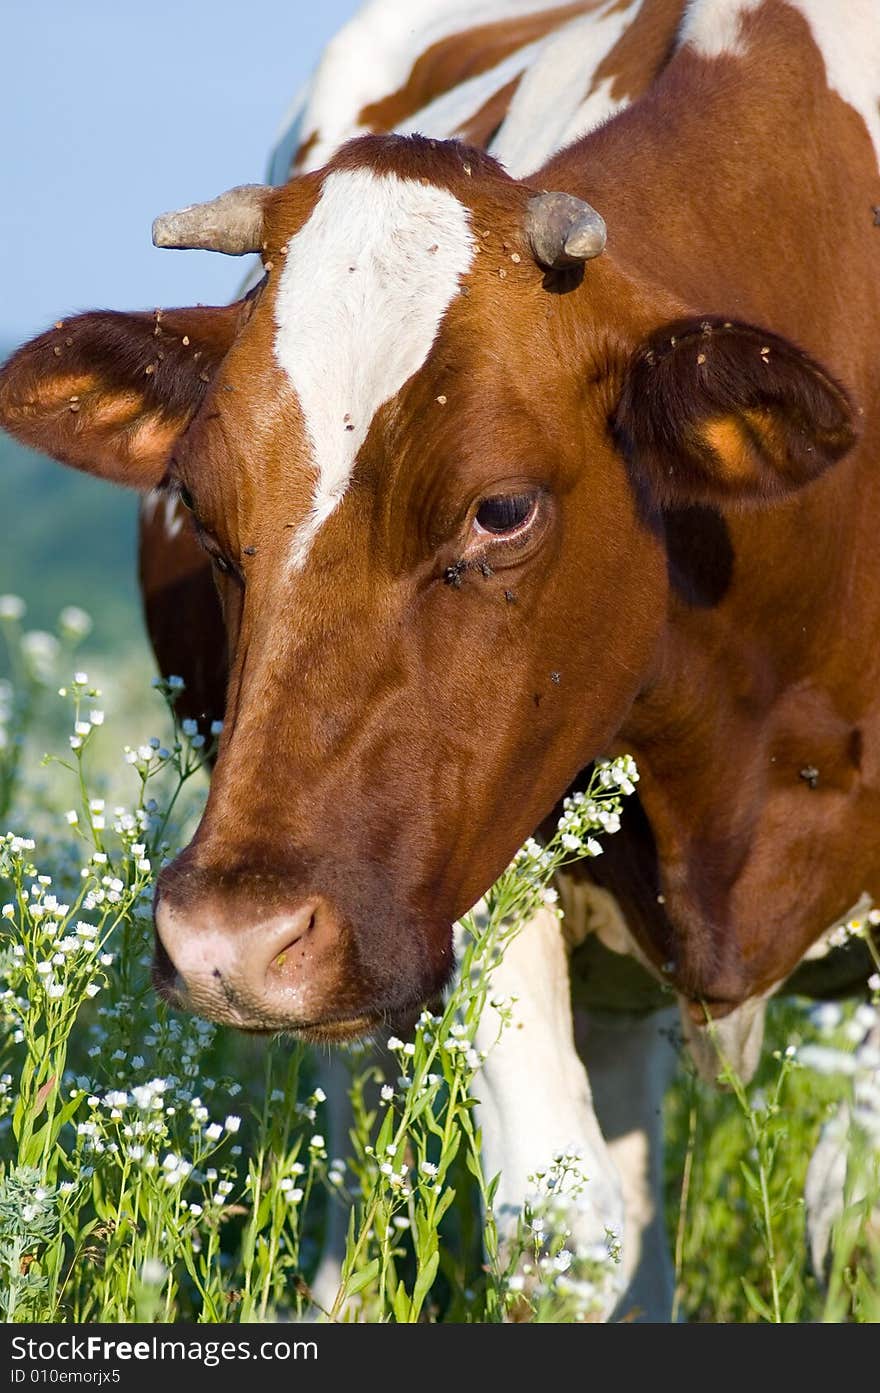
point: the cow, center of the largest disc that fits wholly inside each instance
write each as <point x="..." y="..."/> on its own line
<point x="485" y="498"/>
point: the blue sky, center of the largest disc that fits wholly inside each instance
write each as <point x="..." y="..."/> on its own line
<point x="112" y="111"/>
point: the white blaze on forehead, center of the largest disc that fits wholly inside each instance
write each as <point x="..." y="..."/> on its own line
<point x="364" y="289"/>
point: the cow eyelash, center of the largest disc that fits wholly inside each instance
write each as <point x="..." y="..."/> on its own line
<point x="505" y="515"/>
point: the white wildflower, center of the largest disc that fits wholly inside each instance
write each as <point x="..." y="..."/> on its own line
<point x="826" y="1060"/>
<point x="75" y="622"/>
<point x="153" y="1272"/>
<point x="11" y="607"/>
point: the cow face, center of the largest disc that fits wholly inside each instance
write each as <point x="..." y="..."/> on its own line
<point x="428" y="458"/>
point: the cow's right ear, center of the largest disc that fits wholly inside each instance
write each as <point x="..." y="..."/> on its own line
<point x="724" y="413"/>
<point x="110" y="393"/>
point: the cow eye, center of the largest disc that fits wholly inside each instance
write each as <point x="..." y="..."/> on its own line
<point x="186" y="498"/>
<point x="506" y="513"/>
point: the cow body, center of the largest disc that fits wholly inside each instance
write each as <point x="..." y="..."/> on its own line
<point x="680" y="439"/>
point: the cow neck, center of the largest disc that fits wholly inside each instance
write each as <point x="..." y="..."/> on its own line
<point x="753" y="688"/>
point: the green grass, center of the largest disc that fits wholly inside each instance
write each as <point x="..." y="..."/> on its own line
<point x="154" y="1167"/>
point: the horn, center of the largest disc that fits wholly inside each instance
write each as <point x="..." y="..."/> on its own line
<point x="232" y="223"/>
<point x="563" y="230"/>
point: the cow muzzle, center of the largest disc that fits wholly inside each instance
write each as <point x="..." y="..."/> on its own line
<point x="328" y="950"/>
<point x="260" y="973"/>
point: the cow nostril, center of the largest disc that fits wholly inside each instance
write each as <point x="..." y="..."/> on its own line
<point x="301" y="932"/>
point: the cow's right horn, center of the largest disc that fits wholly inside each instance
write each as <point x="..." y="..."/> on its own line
<point x="563" y="230"/>
<point x="232" y="223"/>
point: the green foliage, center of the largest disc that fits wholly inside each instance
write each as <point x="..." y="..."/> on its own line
<point x="737" y="1163"/>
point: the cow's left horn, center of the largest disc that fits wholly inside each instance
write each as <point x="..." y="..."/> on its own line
<point x="232" y="223"/>
<point x="563" y="230"/>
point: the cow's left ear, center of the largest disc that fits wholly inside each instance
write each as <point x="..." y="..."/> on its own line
<point x="109" y="392"/>
<point x="718" y="412"/>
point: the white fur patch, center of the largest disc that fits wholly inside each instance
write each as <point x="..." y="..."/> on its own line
<point x="171" y="506"/>
<point x="452" y="109"/>
<point x="535" y="1101"/>
<point x="712" y="27"/>
<point x="550" y="107"/>
<point x="372" y="56"/>
<point x="365" y="286"/>
<point x="847" y="34"/>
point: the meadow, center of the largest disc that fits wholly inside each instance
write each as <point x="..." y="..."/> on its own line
<point x="154" y="1167"/>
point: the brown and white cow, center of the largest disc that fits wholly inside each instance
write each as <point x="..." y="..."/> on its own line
<point x="484" y="501"/>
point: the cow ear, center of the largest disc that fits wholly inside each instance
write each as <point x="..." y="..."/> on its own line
<point x="718" y="412"/>
<point x="110" y="393"/>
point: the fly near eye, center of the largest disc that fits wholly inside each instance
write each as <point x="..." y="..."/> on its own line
<point x="504" y="513"/>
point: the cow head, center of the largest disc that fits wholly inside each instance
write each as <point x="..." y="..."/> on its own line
<point x="428" y="457"/>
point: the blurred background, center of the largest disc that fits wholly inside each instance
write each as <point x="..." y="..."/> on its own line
<point x="112" y="112"/>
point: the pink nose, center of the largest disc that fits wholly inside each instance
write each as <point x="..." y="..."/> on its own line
<point x="263" y="973"/>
